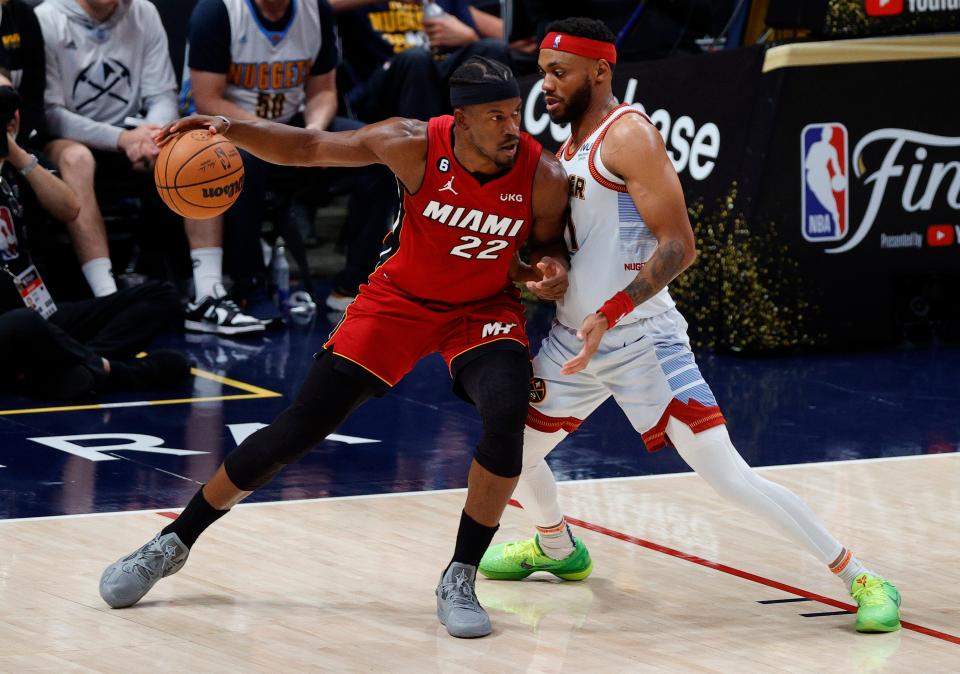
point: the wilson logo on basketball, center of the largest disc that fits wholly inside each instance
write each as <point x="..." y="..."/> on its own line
<point x="227" y="190"/>
<point x="198" y="175"/>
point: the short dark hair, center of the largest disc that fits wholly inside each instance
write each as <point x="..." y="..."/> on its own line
<point x="480" y="70"/>
<point x="580" y="26"/>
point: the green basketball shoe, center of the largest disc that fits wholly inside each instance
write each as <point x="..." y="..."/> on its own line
<point x="878" y="602"/>
<point x="516" y="561"/>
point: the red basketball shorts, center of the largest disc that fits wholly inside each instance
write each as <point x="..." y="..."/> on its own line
<point x="386" y="331"/>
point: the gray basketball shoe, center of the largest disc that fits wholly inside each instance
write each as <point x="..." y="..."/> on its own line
<point x="124" y="582"/>
<point x="457" y="605"/>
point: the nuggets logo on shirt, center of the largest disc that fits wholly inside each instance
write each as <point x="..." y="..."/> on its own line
<point x="104" y="78"/>
<point x="266" y="75"/>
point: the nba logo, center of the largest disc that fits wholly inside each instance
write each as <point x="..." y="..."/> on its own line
<point x="823" y="178"/>
<point x="556" y="42"/>
<point x="884" y="7"/>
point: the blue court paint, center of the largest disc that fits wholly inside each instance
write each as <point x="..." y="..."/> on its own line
<point x="780" y="411"/>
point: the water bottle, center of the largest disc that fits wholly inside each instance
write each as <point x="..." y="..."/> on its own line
<point x="431" y="10"/>
<point x="280" y="273"/>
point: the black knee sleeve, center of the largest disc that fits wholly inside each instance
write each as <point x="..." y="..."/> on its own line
<point x="333" y="389"/>
<point x="498" y="383"/>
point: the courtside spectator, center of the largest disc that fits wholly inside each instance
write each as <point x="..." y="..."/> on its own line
<point x="277" y="60"/>
<point x="21" y="55"/>
<point x="66" y="350"/>
<point x="107" y="64"/>
<point x="400" y="61"/>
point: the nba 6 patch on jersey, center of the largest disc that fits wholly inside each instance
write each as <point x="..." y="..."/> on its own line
<point x="823" y="182"/>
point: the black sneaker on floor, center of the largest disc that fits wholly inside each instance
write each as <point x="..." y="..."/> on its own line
<point x="220" y="316"/>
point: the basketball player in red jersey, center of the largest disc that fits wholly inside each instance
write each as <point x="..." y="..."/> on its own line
<point x="475" y="189"/>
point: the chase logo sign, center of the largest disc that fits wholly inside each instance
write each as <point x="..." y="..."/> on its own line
<point x="823" y="176"/>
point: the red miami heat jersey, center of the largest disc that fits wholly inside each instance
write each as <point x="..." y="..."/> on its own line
<point x="455" y="237"/>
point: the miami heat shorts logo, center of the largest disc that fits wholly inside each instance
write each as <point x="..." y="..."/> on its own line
<point x="538" y="390"/>
<point x="823" y="182"/>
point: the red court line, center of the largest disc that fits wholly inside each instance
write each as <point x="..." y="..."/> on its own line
<point x="650" y="545"/>
<point x="747" y="575"/>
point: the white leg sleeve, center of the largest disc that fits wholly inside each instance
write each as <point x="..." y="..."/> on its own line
<point x="537" y="489"/>
<point x="716" y="460"/>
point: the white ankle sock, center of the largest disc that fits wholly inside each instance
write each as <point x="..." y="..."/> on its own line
<point x="849" y="567"/>
<point x="207" y="271"/>
<point x="556" y="541"/>
<point x="99" y="276"/>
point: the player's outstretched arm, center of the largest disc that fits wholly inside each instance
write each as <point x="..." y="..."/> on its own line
<point x="398" y="143"/>
<point x="634" y="150"/>
<point x="546" y="276"/>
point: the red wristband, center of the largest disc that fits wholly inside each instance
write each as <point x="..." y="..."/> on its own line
<point x="616" y="308"/>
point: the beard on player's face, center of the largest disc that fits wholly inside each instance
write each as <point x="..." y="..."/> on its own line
<point x="574" y="106"/>
<point x="499" y="153"/>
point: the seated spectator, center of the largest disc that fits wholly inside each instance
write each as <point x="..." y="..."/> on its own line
<point x="21" y="54"/>
<point x="487" y="17"/>
<point x="107" y="61"/>
<point x="400" y="61"/>
<point x="277" y="60"/>
<point x="75" y="349"/>
<point x="649" y="30"/>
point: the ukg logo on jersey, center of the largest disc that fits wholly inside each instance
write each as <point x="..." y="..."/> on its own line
<point x="823" y="174"/>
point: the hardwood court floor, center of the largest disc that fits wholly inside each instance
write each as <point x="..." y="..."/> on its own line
<point x="347" y="585"/>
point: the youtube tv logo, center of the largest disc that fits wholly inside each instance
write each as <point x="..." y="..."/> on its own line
<point x="940" y="235"/>
<point x="884" y="7"/>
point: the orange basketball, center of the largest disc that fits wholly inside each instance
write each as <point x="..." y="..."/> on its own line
<point x="198" y="175"/>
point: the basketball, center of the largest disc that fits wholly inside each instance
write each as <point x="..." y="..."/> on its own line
<point x="837" y="183"/>
<point x="198" y="174"/>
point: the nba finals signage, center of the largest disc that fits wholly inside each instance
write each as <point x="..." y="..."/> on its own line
<point x="910" y="171"/>
<point x="860" y="179"/>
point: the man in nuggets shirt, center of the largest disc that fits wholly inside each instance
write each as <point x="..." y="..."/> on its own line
<point x="475" y="189"/>
<point x="619" y="334"/>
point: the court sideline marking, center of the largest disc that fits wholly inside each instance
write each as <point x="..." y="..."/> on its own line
<point x="252" y="393"/>
<point x="717" y="566"/>
<point x="650" y="545"/>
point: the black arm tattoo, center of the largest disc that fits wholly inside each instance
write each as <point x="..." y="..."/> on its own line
<point x="665" y="265"/>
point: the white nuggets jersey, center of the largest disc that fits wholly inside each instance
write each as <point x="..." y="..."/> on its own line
<point x="607" y="238"/>
<point x="268" y="69"/>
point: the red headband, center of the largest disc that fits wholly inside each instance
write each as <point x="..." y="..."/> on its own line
<point x="581" y="46"/>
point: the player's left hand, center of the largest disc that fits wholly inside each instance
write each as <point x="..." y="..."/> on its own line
<point x="554" y="282"/>
<point x="449" y="31"/>
<point x="590" y="333"/>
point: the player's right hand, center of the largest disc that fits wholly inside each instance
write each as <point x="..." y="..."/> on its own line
<point x="206" y="122"/>
<point x="591" y="332"/>
<point x="554" y="281"/>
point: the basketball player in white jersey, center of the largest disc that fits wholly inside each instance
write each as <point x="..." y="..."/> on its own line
<point x="618" y="333"/>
